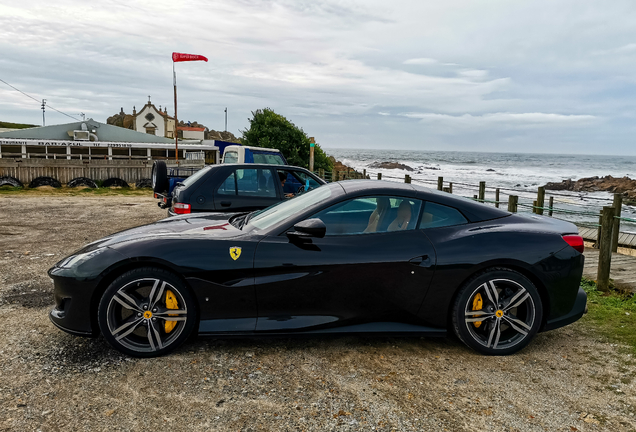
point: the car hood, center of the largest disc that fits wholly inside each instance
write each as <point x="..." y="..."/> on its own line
<point x="207" y="225"/>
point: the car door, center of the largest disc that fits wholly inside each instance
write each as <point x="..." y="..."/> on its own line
<point x="246" y="189"/>
<point x="353" y="275"/>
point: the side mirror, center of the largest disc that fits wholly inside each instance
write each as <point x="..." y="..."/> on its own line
<point x="308" y="228"/>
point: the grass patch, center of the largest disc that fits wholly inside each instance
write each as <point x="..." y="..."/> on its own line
<point x="66" y="191"/>
<point x="612" y="314"/>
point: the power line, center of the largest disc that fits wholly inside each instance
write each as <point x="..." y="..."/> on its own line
<point x="37" y="100"/>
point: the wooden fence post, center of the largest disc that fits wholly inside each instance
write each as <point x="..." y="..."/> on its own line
<point x="598" y="231"/>
<point x="440" y="183"/>
<point x="379" y="176"/>
<point x="364" y="173"/>
<point x="321" y="173"/>
<point x="512" y="203"/>
<point x="551" y="206"/>
<point x="605" y="250"/>
<point x="447" y="190"/>
<point x="407" y="178"/>
<point x="482" y="191"/>
<point x="618" y="204"/>
<point x="450" y="187"/>
<point x="540" y="200"/>
<point x="497" y="197"/>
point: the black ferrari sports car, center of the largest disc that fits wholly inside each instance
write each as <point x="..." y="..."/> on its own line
<point x="348" y="257"/>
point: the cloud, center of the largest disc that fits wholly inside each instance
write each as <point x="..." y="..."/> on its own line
<point x="506" y="119"/>
<point x="420" y="61"/>
<point x="337" y="67"/>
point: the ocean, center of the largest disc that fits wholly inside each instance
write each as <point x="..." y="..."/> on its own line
<point x="514" y="173"/>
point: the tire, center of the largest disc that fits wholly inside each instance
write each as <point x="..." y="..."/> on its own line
<point x="44" y="181"/>
<point x="143" y="183"/>
<point x="115" y="182"/>
<point x="497" y="312"/>
<point x="82" y="181"/>
<point x="10" y="181"/>
<point x="159" y="177"/>
<point x="139" y="300"/>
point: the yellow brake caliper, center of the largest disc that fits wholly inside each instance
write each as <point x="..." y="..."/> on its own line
<point x="171" y="303"/>
<point x="478" y="304"/>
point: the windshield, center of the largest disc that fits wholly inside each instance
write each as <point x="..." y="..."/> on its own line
<point x="268" y="158"/>
<point x="197" y="175"/>
<point x="276" y="213"/>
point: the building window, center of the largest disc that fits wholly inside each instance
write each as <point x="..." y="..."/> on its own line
<point x="150" y="117"/>
<point x="150" y="130"/>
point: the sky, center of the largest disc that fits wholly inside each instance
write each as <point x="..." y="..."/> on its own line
<point x="498" y="76"/>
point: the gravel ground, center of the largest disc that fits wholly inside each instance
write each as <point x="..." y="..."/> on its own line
<point x="566" y="380"/>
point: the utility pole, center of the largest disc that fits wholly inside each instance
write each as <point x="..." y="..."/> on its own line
<point x="225" y="119"/>
<point x="43" y="106"/>
<point x="83" y="116"/>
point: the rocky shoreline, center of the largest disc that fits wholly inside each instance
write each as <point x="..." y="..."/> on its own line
<point x="625" y="186"/>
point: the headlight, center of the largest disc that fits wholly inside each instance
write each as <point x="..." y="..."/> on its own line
<point x="78" y="259"/>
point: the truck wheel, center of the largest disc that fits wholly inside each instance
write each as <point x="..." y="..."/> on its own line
<point x="159" y="176"/>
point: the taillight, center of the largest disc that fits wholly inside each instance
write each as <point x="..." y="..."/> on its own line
<point x="181" y="208"/>
<point x="156" y="195"/>
<point x="576" y="241"/>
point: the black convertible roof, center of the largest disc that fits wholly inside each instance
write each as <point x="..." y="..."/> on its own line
<point x="473" y="210"/>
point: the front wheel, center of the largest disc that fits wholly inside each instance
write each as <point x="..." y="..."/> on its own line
<point x="498" y="312"/>
<point x="146" y="312"/>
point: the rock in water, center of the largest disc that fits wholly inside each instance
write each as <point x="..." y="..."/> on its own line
<point x="391" y="165"/>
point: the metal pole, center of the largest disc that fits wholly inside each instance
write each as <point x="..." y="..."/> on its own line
<point x="43" y="105"/>
<point x="176" y="122"/>
<point x="225" y="119"/>
<point x="605" y="250"/>
<point x="618" y="204"/>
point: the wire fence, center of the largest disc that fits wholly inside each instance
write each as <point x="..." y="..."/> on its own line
<point x="581" y="213"/>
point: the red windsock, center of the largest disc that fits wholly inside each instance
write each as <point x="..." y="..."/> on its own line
<point x="181" y="57"/>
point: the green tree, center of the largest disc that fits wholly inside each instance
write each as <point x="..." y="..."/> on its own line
<point x="268" y="129"/>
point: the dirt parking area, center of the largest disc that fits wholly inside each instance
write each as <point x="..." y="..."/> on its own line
<point x="566" y="380"/>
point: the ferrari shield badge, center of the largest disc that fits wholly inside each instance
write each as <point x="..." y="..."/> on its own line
<point x="235" y="252"/>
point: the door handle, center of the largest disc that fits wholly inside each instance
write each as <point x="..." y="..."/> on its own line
<point x="422" y="261"/>
<point x="226" y="203"/>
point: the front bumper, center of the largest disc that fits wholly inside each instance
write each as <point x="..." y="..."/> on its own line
<point x="73" y="305"/>
<point x="578" y="310"/>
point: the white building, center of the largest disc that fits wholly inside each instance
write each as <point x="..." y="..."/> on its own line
<point x="153" y="121"/>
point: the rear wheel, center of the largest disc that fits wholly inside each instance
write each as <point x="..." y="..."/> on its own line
<point x="497" y="312"/>
<point x="159" y="176"/>
<point x="147" y="312"/>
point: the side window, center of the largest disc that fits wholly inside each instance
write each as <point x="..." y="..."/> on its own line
<point x="370" y="215"/>
<point x="437" y="215"/>
<point x="230" y="157"/>
<point x="228" y="187"/>
<point x="268" y="158"/>
<point x="304" y="177"/>
<point x="255" y="182"/>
